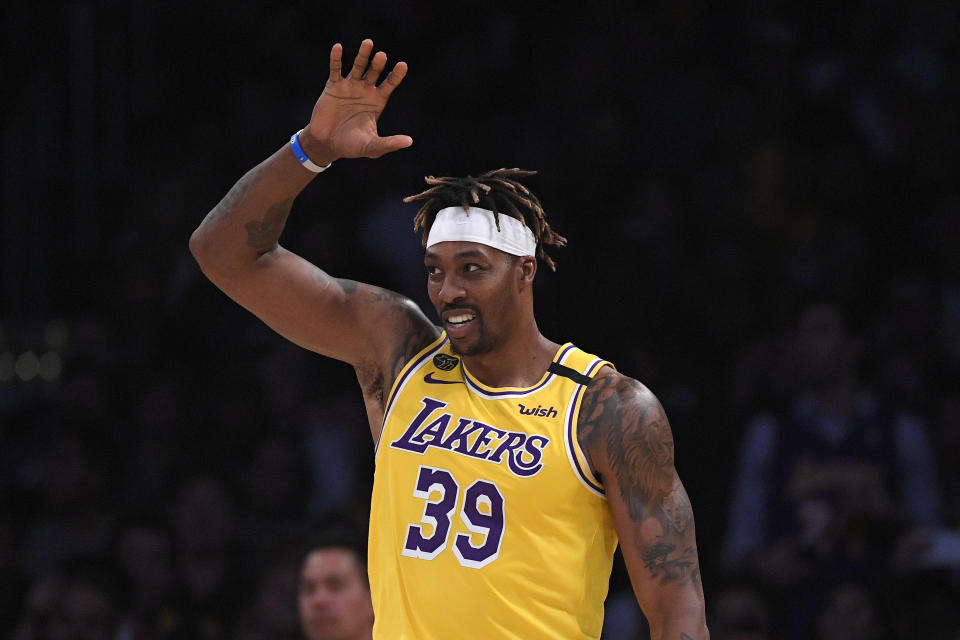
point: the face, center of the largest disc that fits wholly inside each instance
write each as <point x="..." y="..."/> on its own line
<point x="822" y="346"/>
<point x="334" y="597"/>
<point x="476" y="291"/>
<point x="86" y="614"/>
<point x="848" y="614"/>
<point x="145" y="556"/>
<point x="202" y="515"/>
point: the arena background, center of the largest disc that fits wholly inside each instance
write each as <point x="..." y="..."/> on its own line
<point x="713" y="165"/>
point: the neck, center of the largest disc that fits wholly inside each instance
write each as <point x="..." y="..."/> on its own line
<point x="519" y="362"/>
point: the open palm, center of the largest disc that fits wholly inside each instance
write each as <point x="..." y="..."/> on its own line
<point x="345" y="117"/>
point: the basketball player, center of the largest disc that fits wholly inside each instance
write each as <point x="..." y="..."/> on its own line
<point x="507" y="465"/>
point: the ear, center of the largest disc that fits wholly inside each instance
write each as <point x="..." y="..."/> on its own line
<point x="527" y="269"/>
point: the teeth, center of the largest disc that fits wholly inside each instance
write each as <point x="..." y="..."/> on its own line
<point x="460" y="319"/>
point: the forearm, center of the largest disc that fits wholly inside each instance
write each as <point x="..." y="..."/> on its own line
<point x="674" y="604"/>
<point x="248" y="221"/>
<point x="683" y="618"/>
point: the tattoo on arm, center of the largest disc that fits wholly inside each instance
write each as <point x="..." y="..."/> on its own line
<point x="416" y="330"/>
<point x="622" y="423"/>
<point x="235" y="195"/>
<point x="413" y="330"/>
<point x="347" y="286"/>
<point x="635" y="440"/>
<point x="263" y="234"/>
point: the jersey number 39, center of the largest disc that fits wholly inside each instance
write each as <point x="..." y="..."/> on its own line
<point x="437" y="513"/>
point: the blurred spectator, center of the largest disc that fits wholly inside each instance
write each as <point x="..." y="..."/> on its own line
<point x="40" y="609"/>
<point x="143" y="552"/>
<point x="89" y="603"/>
<point x="273" y="615"/>
<point x="825" y="486"/>
<point x="74" y="520"/>
<point x="334" y="594"/>
<point x="274" y="488"/>
<point x="207" y="568"/>
<point x="850" y="613"/>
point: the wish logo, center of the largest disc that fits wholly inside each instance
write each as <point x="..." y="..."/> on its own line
<point x="522" y="452"/>
<point x="538" y="411"/>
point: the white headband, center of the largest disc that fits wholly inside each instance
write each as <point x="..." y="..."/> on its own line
<point x="453" y="224"/>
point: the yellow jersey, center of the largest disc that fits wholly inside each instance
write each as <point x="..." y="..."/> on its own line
<point x="486" y="521"/>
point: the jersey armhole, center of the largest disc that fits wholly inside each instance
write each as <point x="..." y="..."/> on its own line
<point x="578" y="460"/>
<point x="415" y="363"/>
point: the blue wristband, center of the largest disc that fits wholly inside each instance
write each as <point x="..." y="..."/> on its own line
<point x="302" y="156"/>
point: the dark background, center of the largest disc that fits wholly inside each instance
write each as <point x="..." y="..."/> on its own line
<point x="712" y="165"/>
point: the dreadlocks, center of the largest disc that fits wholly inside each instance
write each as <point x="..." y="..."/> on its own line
<point x="499" y="191"/>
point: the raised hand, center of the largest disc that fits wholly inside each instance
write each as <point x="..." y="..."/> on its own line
<point x="344" y="120"/>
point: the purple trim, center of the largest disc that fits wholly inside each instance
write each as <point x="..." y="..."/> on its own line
<point x="589" y="479"/>
<point x="516" y="393"/>
<point x="399" y="386"/>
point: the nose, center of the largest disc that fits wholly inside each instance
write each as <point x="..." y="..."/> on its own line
<point x="320" y="599"/>
<point x="451" y="290"/>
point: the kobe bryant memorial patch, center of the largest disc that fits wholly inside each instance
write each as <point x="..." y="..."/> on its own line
<point x="444" y="362"/>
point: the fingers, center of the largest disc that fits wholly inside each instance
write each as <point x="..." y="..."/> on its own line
<point x="370" y="75"/>
<point x="360" y="62"/>
<point x="394" y="79"/>
<point x="376" y="68"/>
<point x="336" y="56"/>
<point x="381" y="146"/>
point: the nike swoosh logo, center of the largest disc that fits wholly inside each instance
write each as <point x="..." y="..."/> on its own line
<point x="429" y="378"/>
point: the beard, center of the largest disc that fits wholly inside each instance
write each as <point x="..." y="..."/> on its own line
<point x="479" y="347"/>
<point x="482" y="343"/>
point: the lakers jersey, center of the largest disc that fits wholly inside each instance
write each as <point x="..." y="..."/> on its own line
<point x="486" y="521"/>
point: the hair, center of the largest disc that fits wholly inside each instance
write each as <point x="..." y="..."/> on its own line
<point x="336" y="536"/>
<point x="499" y="191"/>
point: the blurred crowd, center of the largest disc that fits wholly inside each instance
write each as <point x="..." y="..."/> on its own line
<point x="764" y="228"/>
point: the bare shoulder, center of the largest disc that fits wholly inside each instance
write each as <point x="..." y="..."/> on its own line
<point x="623" y="430"/>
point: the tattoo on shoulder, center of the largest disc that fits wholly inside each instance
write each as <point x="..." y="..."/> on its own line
<point x="418" y="331"/>
<point x="413" y="330"/>
<point x="622" y="422"/>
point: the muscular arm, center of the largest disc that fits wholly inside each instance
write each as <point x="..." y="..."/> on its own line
<point x="237" y="246"/>
<point x="626" y="437"/>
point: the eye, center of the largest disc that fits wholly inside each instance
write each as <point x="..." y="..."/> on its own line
<point x="432" y="271"/>
<point x="471" y="267"/>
